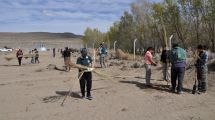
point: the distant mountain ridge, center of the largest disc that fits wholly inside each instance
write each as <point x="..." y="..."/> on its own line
<point x="37" y="35"/>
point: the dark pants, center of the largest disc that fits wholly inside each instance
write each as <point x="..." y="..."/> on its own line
<point x="20" y="61"/>
<point x="66" y="62"/>
<point x="37" y="60"/>
<point x="86" y="80"/>
<point x="53" y="54"/>
<point x="177" y="73"/>
<point x="202" y="78"/>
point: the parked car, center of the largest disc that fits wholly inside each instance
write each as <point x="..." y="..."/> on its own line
<point x="6" y="49"/>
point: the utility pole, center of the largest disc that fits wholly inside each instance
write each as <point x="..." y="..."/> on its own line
<point x="134" y="47"/>
<point x="114" y="46"/>
<point x="170" y="42"/>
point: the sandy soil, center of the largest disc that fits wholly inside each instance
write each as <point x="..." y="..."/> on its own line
<point x="33" y="92"/>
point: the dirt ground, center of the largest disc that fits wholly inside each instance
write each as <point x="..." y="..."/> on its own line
<point x="33" y="92"/>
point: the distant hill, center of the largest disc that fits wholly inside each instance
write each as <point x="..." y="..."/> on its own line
<point x="31" y="40"/>
<point x="36" y="35"/>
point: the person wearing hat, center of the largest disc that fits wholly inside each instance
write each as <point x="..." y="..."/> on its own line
<point x="86" y="79"/>
<point x="202" y="69"/>
<point x="178" y="60"/>
<point x="102" y="54"/>
<point x="66" y="56"/>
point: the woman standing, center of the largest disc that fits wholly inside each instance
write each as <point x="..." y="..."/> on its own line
<point x="148" y="62"/>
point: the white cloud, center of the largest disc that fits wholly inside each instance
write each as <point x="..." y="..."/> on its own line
<point x="60" y="15"/>
<point x="66" y="14"/>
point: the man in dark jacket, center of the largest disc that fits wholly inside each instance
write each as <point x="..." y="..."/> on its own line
<point x="53" y="52"/>
<point x="165" y="63"/>
<point x="202" y="69"/>
<point x="86" y="79"/>
<point x="36" y="56"/>
<point x="19" y="56"/>
<point x="66" y="56"/>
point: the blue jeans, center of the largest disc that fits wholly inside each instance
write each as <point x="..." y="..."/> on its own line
<point x="102" y="60"/>
<point x="166" y="72"/>
<point x="148" y="74"/>
<point x="177" y="73"/>
<point x="33" y="60"/>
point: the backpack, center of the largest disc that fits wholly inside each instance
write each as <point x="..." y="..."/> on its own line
<point x="178" y="55"/>
<point x="103" y="50"/>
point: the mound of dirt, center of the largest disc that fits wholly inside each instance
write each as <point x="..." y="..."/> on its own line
<point x="122" y="55"/>
<point x="113" y="63"/>
<point x="51" y="67"/>
<point x="117" y="63"/>
<point x="124" y="68"/>
<point x="39" y="70"/>
<point x="136" y="65"/>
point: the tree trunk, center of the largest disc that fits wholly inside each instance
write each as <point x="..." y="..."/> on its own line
<point x="180" y="35"/>
<point x="213" y="37"/>
<point x="211" y="31"/>
<point x="213" y="45"/>
<point x="165" y="35"/>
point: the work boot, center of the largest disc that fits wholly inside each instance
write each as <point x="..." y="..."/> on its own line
<point x="89" y="97"/>
<point x="180" y="92"/>
<point x="82" y="97"/>
<point x="149" y="86"/>
<point x="173" y="90"/>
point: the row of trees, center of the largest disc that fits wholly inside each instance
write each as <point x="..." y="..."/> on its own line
<point x="191" y="22"/>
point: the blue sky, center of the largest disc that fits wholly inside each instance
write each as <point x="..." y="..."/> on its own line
<point x="60" y="15"/>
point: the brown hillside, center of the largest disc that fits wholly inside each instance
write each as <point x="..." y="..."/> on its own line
<point x="32" y="39"/>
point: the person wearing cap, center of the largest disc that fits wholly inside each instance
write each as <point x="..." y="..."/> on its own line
<point x="19" y="56"/>
<point x="86" y="78"/>
<point x="178" y="58"/>
<point x="102" y="54"/>
<point x="66" y="56"/>
<point x="202" y="69"/>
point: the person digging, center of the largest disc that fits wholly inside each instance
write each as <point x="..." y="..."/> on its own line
<point x="86" y="77"/>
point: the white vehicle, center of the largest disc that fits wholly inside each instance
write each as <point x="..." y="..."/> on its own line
<point x="42" y="49"/>
<point x="6" y="50"/>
